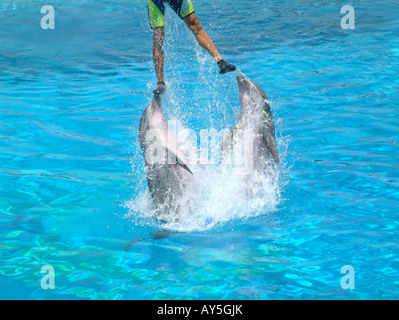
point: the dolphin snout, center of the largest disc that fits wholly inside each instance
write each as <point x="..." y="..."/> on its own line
<point x="243" y="83"/>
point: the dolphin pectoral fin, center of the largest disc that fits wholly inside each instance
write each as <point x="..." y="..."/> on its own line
<point x="184" y="166"/>
<point x="179" y="161"/>
<point x="270" y="143"/>
<point x="228" y="141"/>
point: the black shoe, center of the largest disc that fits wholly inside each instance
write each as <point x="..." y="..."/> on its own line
<point x="224" y="66"/>
<point x="160" y="89"/>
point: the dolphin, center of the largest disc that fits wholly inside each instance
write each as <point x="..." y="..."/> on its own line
<point x="166" y="162"/>
<point x="253" y="138"/>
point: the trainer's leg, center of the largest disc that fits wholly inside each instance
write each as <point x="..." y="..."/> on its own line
<point x="158" y="55"/>
<point x="202" y="37"/>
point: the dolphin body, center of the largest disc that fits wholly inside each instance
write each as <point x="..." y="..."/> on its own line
<point x="166" y="163"/>
<point x="169" y="176"/>
<point x="253" y="137"/>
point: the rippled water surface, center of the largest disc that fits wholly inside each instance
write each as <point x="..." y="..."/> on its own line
<point x="72" y="182"/>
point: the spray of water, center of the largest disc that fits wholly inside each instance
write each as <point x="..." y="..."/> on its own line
<point x="199" y="98"/>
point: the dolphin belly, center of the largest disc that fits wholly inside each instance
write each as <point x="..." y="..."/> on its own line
<point x="251" y="144"/>
<point x="167" y="170"/>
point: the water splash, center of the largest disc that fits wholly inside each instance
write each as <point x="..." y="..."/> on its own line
<point x="219" y="194"/>
<point x="198" y="98"/>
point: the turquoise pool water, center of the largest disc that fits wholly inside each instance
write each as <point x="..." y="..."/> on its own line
<point x="72" y="181"/>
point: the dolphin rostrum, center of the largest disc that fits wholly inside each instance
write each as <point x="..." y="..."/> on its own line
<point x="166" y="163"/>
<point x="252" y="140"/>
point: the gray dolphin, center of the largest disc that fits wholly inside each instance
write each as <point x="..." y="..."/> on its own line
<point x="168" y="174"/>
<point x="253" y="137"/>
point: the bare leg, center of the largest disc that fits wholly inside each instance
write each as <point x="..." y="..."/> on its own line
<point x="202" y="37"/>
<point x="157" y="52"/>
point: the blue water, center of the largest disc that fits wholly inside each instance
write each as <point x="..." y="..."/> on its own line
<point x="72" y="181"/>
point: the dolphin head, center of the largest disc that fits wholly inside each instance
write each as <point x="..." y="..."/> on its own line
<point x="250" y="91"/>
<point x="248" y="86"/>
<point x="255" y="113"/>
<point x="252" y="97"/>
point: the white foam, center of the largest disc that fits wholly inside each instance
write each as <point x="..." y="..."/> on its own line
<point x="218" y="195"/>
